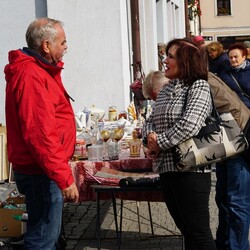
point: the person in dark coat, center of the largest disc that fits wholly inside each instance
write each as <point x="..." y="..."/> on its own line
<point x="233" y="175"/>
<point x="237" y="76"/>
<point x="218" y="59"/>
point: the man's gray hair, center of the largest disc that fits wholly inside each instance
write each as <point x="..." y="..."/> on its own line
<point x="39" y="30"/>
<point x="153" y="82"/>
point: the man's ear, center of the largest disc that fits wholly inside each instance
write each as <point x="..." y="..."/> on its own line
<point x="45" y="46"/>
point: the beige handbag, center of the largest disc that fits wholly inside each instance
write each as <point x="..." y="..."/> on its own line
<point x="220" y="139"/>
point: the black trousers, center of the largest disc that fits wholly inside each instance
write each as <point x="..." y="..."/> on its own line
<point x="187" y="198"/>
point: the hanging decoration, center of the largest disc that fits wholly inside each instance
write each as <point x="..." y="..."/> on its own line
<point x="194" y="9"/>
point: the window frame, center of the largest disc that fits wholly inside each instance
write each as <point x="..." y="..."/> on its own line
<point x="223" y="11"/>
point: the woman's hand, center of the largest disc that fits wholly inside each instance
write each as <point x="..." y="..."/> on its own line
<point x="151" y="154"/>
<point x="153" y="147"/>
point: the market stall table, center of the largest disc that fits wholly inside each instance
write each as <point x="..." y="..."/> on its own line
<point x="100" y="180"/>
<point x="88" y="173"/>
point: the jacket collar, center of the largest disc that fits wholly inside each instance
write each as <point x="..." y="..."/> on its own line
<point x="49" y="67"/>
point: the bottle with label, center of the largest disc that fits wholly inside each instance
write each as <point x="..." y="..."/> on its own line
<point x="135" y="145"/>
<point x="112" y="113"/>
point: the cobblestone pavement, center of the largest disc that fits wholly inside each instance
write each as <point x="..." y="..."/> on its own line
<point x="80" y="224"/>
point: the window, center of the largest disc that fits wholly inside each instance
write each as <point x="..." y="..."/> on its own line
<point x="223" y="7"/>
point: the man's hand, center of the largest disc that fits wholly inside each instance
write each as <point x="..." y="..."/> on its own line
<point x="71" y="193"/>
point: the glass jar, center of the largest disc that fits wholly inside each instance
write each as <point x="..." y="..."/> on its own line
<point x="80" y="146"/>
<point x="112" y="113"/>
<point x="113" y="150"/>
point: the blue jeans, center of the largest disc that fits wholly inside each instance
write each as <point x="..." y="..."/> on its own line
<point x="44" y="203"/>
<point x="233" y="201"/>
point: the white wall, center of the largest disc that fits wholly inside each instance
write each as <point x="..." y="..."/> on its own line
<point x="148" y="35"/>
<point x="15" y="17"/>
<point x="98" y="62"/>
<point x="98" y="50"/>
<point x="170" y="20"/>
<point x="159" y="22"/>
<point x="162" y="30"/>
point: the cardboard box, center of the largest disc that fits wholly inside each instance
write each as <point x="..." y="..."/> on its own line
<point x="9" y="227"/>
<point x="16" y="200"/>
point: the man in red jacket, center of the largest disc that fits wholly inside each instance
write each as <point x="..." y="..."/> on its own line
<point x="41" y="130"/>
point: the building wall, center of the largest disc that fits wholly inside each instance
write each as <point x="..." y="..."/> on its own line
<point x="171" y="13"/>
<point x="98" y="50"/>
<point x="236" y="24"/>
<point x="97" y="67"/>
<point x="15" y="17"/>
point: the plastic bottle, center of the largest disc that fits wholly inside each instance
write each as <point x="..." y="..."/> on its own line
<point x="21" y="217"/>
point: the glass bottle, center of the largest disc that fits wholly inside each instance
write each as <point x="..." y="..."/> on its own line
<point x="135" y="145"/>
<point x="88" y="141"/>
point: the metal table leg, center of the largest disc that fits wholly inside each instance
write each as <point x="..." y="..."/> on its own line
<point x="116" y="223"/>
<point x="138" y="216"/>
<point x="98" y="226"/>
<point x="121" y="220"/>
<point x="150" y="217"/>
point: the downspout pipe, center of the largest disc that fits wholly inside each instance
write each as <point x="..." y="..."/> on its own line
<point x="135" y="25"/>
<point x="199" y="18"/>
<point x="187" y="22"/>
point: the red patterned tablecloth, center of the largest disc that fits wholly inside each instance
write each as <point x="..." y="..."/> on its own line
<point x="87" y="173"/>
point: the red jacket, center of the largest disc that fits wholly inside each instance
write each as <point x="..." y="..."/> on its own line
<point x="40" y="121"/>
